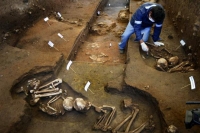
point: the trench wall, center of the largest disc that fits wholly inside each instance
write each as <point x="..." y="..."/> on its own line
<point x="185" y="16"/>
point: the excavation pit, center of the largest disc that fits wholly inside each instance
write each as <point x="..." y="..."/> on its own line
<point x="102" y="64"/>
<point x="75" y="121"/>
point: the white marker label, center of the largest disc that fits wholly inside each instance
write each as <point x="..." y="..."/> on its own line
<point x="68" y="65"/>
<point x="192" y="83"/>
<point x="182" y="42"/>
<point x="59" y="14"/>
<point x="50" y="44"/>
<point x="60" y="35"/>
<point x="110" y="44"/>
<point x="46" y="19"/>
<point x="87" y="86"/>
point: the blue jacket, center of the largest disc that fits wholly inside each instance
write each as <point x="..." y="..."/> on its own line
<point x="140" y="20"/>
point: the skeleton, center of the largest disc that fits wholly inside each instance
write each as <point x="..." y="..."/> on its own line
<point x="168" y="63"/>
<point x="105" y="120"/>
<point x="147" y="125"/>
<point x="46" y="90"/>
<point x="60" y="103"/>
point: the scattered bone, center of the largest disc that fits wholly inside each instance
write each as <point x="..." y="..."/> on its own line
<point x="159" y="52"/>
<point x="172" y="129"/>
<point x="33" y="84"/>
<point x="127" y="103"/>
<point x="101" y="24"/>
<point x="34" y="101"/>
<point x="98" y="109"/>
<point x="93" y="57"/>
<point x="184" y="66"/>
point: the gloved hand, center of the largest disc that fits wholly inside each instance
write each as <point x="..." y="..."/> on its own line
<point x="158" y="43"/>
<point x="144" y="47"/>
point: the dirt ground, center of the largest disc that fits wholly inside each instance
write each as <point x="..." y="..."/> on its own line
<point x="25" y="54"/>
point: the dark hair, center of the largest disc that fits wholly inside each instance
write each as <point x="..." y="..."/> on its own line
<point x="158" y="13"/>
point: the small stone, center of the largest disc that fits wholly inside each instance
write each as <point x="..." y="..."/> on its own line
<point x="170" y="37"/>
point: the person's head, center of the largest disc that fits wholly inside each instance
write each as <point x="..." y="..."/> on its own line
<point x="157" y="13"/>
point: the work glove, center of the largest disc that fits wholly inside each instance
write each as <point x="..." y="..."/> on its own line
<point x="158" y="43"/>
<point x="144" y="47"/>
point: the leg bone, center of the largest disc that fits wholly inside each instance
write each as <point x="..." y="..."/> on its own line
<point x="122" y="123"/>
<point x="132" y="119"/>
<point x="48" y="94"/>
<point x="53" y="83"/>
<point x="51" y="101"/>
<point x="148" y="124"/>
<point x="46" y="90"/>
<point x="109" y="120"/>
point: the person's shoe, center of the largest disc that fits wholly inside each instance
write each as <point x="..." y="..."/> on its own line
<point x="121" y="51"/>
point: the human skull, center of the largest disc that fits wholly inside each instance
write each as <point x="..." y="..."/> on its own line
<point x="173" y="61"/>
<point x="162" y="64"/>
<point x="81" y="105"/>
<point x="68" y="103"/>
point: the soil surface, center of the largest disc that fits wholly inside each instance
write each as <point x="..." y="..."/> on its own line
<point x="25" y="54"/>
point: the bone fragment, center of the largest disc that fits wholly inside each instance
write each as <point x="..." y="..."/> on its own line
<point x="128" y="103"/>
<point x="105" y="120"/>
<point x="98" y="109"/>
<point x="179" y="67"/>
<point x="148" y="124"/>
<point x="51" y="101"/>
<point x="48" y="94"/>
<point x="98" y="124"/>
<point x="109" y="120"/>
<point x="46" y="90"/>
<point x="53" y="83"/>
<point x="122" y="123"/>
<point x="132" y="119"/>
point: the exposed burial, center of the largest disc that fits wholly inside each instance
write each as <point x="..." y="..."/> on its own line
<point x="113" y="66"/>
